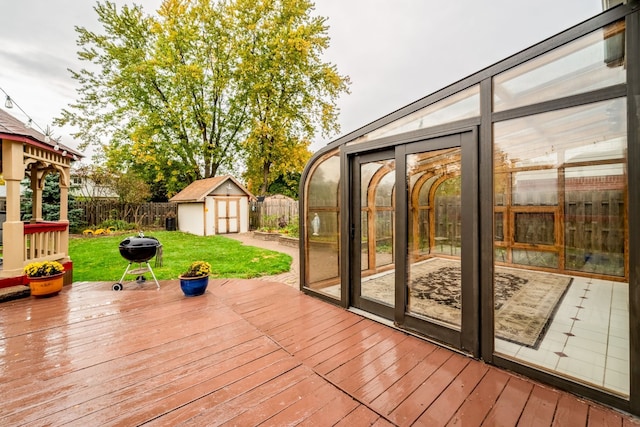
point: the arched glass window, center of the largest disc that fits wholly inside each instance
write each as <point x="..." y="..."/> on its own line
<point x="322" y="220"/>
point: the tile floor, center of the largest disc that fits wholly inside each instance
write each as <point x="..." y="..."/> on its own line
<point x="588" y="338"/>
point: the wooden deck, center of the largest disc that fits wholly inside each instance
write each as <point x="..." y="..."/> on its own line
<point x="247" y="352"/>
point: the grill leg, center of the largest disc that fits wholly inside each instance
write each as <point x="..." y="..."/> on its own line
<point x="154" y="276"/>
<point x="125" y="273"/>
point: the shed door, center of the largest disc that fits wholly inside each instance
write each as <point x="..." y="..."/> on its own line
<point x="227" y="215"/>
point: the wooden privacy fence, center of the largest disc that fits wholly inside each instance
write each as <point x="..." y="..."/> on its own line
<point x="272" y="212"/>
<point x="267" y="212"/>
<point x="143" y="214"/>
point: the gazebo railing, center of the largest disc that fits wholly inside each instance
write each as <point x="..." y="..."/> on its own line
<point x="43" y="241"/>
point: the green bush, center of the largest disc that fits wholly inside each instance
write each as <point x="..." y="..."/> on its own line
<point x="293" y="228"/>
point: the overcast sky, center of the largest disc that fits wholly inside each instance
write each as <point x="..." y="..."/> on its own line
<point x="394" y="51"/>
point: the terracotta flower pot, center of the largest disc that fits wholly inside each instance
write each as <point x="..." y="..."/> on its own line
<point x="46" y="285"/>
<point x="194" y="286"/>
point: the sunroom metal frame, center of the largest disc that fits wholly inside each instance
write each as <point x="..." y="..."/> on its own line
<point x="346" y="145"/>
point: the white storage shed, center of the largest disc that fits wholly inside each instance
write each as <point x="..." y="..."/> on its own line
<point x="218" y="205"/>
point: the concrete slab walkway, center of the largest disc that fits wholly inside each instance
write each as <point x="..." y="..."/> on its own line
<point x="292" y="277"/>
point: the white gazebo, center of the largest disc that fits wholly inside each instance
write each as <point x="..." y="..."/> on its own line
<point x="28" y="153"/>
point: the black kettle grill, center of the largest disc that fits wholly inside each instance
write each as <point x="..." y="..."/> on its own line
<point x="139" y="249"/>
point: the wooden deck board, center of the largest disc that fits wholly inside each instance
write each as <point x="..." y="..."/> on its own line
<point x="218" y="387"/>
<point x="603" y="418"/>
<point x="452" y="398"/>
<point x="409" y="382"/>
<point x="540" y="407"/>
<point x="410" y="409"/>
<point x="329" y="350"/>
<point x="362" y="416"/>
<point x="570" y="412"/>
<point x="306" y="337"/>
<point x="510" y="404"/>
<point x="82" y="385"/>
<point x="212" y="407"/>
<point x="352" y="352"/>
<point x="279" y="401"/>
<point x="391" y="368"/>
<point x="480" y="401"/>
<point x="362" y="366"/>
<point x="245" y="353"/>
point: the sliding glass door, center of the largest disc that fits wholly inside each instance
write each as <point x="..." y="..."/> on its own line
<point x="412" y="237"/>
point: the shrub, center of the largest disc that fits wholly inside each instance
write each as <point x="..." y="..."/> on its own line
<point x="117" y="224"/>
<point x="293" y="228"/>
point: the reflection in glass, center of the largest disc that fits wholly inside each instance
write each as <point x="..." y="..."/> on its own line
<point x="322" y="225"/>
<point x="323" y="184"/>
<point x="462" y="105"/>
<point x="384" y="219"/>
<point x="447" y="216"/>
<point x="384" y="190"/>
<point x="535" y="228"/>
<point x="424" y="247"/>
<point x="594" y="132"/>
<point x="364" y="231"/>
<point x="498" y="226"/>
<point x="591" y="62"/>
<point x="315" y="225"/>
<point x="594" y="219"/>
<point x="434" y="285"/>
<point x="501" y="188"/>
<point x="560" y="191"/>
<point x="377" y="234"/>
<point x="534" y="258"/>
<point x="534" y="188"/>
<point x="367" y="171"/>
<point x="384" y="238"/>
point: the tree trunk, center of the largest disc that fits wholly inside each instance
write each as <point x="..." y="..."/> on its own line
<point x="213" y="170"/>
<point x="266" y="167"/>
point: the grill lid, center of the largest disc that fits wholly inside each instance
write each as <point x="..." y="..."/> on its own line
<point x="138" y="248"/>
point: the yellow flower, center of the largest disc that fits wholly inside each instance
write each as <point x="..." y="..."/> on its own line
<point x="43" y="269"/>
<point x="198" y="269"/>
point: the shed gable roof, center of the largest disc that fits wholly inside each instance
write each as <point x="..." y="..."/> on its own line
<point x="198" y="190"/>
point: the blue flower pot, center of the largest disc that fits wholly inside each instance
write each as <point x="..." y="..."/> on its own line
<point x="194" y="286"/>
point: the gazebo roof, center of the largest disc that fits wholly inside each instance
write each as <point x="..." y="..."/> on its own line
<point x="14" y="129"/>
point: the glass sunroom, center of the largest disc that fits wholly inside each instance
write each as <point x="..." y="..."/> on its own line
<point x="500" y="215"/>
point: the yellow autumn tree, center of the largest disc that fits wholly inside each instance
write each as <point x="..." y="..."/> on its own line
<point x="292" y="92"/>
<point x="202" y="87"/>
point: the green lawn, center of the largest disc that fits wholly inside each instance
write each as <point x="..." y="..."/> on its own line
<point x="98" y="258"/>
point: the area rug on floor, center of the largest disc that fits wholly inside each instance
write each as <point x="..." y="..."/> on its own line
<point x="524" y="300"/>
